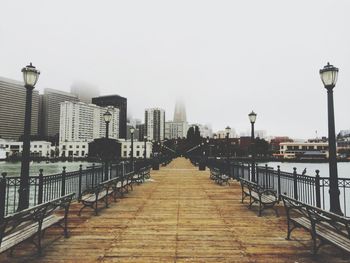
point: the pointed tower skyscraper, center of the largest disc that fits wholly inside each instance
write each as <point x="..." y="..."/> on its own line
<point x="180" y="112"/>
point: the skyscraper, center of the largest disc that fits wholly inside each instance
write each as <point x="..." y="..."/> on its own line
<point x="180" y="112"/>
<point x="117" y="102"/>
<point x="84" y="91"/>
<point x="12" y="109"/>
<point x="155" y="124"/>
<point x="50" y="110"/>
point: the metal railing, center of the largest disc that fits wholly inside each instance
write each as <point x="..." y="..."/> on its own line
<point x="44" y="188"/>
<point x="312" y="190"/>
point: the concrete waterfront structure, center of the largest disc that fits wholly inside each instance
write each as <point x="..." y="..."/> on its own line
<point x="155" y="124"/>
<point x="117" y="102"/>
<point x="84" y="122"/>
<point x="139" y="148"/>
<point x="74" y="149"/>
<point x="50" y="110"/>
<point x="37" y="148"/>
<point x="12" y="109"/>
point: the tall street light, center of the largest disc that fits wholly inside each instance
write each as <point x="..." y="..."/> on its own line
<point x="329" y="76"/>
<point x="215" y="137"/>
<point x="227" y="131"/>
<point x="107" y="117"/>
<point x="30" y="76"/>
<point x="252" y="118"/>
<point x="132" y="130"/>
<point x="145" y="151"/>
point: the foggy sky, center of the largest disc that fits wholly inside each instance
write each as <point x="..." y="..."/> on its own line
<point x="225" y="58"/>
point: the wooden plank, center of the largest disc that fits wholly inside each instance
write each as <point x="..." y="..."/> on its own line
<point x="179" y="216"/>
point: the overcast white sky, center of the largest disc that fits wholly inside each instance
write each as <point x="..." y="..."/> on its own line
<point x="224" y="58"/>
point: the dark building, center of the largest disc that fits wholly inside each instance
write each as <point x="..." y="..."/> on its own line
<point x="117" y="102"/>
<point x="142" y="132"/>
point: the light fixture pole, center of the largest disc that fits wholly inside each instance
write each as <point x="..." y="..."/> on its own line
<point x="145" y="151"/>
<point x="252" y="118"/>
<point x="107" y="117"/>
<point x="132" y="130"/>
<point x="329" y="76"/>
<point x="227" y="131"/>
<point x="30" y="76"/>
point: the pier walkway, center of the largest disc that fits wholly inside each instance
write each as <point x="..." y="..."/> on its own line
<point x="178" y="216"/>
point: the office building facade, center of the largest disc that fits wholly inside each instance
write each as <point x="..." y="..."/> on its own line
<point x="174" y="130"/>
<point x="155" y="124"/>
<point x="50" y="110"/>
<point x="119" y="102"/>
<point x="81" y="122"/>
<point x="12" y="109"/>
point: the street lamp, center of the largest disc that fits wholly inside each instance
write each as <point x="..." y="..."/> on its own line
<point x="30" y="76"/>
<point x="329" y="76"/>
<point x="145" y="152"/>
<point x="132" y="130"/>
<point x="107" y="117"/>
<point x="227" y="131"/>
<point x="252" y="118"/>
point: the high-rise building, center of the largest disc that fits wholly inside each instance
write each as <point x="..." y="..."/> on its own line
<point x="117" y="102"/>
<point x="50" y="110"/>
<point x="85" y="122"/>
<point x="12" y="109"/>
<point x="180" y="112"/>
<point x="142" y="133"/>
<point x="174" y="130"/>
<point x="155" y="124"/>
<point x="84" y="91"/>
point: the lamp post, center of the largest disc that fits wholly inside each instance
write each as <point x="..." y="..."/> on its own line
<point x="145" y="151"/>
<point x="107" y="117"/>
<point x="227" y="131"/>
<point x="252" y="118"/>
<point x="132" y="130"/>
<point x="30" y="76"/>
<point x="329" y="76"/>
<point x="215" y="150"/>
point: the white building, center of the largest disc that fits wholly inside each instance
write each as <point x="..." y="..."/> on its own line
<point x="74" y="149"/>
<point x="155" y="124"/>
<point x="37" y="148"/>
<point x="174" y="130"/>
<point x="303" y="149"/>
<point x="81" y="122"/>
<point x="139" y="148"/>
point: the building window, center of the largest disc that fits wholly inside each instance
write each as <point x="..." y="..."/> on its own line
<point x="125" y="154"/>
<point x="40" y="146"/>
<point x="83" y="146"/>
<point x="70" y="146"/>
<point x="137" y="153"/>
<point x="77" y="146"/>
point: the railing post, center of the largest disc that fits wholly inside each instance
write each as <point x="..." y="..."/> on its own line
<point x="256" y="173"/>
<point x="249" y="173"/>
<point x="63" y="184"/>
<point x="318" y="189"/>
<point x="2" y="195"/>
<point x="80" y="180"/>
<point x="266" y="182"/>
<point x="279" y="182"/>
<point x="41" y="187"/>
<point x="242" y="170"/>
<point x="93" y="175"/>
<point x="110" y="171"/>
<point x="295" y="180"/>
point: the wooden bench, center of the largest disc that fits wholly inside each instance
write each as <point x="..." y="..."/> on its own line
<point x="327" y="227"/>
<point x="266" y="198"/>
<point x="31" y="223"/>
<point x="100" y="193"/>
<point x="218" y="176"/>
<point x="141" y="175"/>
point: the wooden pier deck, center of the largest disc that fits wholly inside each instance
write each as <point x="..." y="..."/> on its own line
<point x="178" y="216"/>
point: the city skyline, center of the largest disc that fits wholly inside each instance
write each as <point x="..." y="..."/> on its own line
<point x="226" y="59"/>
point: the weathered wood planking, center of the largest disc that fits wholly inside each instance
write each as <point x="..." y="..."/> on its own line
<point x="181" y="216"/>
